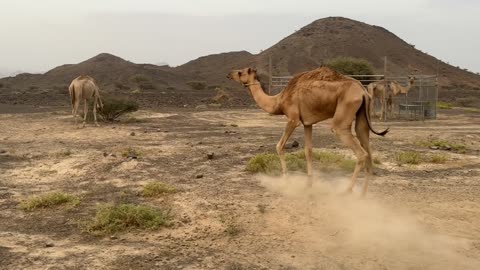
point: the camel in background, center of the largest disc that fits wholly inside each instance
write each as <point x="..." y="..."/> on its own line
<point x="385" y="95"/>
<point x="377" y="91"/>
<point x="314" y="96"/>
<point x="84" y="88"/>
<point x="395" y="89"/>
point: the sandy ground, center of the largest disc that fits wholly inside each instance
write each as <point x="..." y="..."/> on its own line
<point x="423" y="216"/>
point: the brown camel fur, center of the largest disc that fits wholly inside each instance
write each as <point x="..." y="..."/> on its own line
<point x="314" y="96"/>
<point x="377" y="91"/>
<point x="395" y="89"/>
<point x="84" y="88"/>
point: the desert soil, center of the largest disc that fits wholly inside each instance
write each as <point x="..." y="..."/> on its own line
<point x="424" y="216"/>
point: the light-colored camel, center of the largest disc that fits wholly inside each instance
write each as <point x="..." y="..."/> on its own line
<point x="395" y="89"/>
<point x="377" y="91"/>
<point x="314" y="96"/>
<point x="84" y="88"/>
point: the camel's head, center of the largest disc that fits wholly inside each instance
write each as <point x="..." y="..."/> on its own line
<point x="245" y="76"/>
<point x="411" y="79"/>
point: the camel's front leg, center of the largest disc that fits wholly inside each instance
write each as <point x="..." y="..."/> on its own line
<point x="308" y="152"/>
<point x="85" y="112"/>
<point x="291" y="125"/>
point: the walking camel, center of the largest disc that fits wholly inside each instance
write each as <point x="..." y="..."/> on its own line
<point x="84" y="88"/>
<point x="314" y="96"/>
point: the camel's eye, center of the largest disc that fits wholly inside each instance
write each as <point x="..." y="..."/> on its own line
<point x="239" y="73"/>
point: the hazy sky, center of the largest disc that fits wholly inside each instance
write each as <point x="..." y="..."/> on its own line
<point x="37" y="35"/>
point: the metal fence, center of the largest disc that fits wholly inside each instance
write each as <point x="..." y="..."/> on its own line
<point x="419" y="103"/>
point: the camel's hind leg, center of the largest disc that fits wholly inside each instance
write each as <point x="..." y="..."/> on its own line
<point x="308" y="152"/>
<point x="291" y="125"/>
<point x="342" y="127"/>
<point x="85" y="112"/>
<point x="95" y="102"/>
<point x="363" y="135"/>
<point x="75" y="111"/>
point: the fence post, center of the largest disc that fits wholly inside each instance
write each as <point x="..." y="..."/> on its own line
<point x="384" y="109"/>
<point x="269" y="73"/>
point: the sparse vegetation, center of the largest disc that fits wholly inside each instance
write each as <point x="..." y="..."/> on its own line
<point x="443" y="145"/>
<point x="64" y="153"/>
<point x="121" y="86"/>
<point x="377" y="161"/>
<point x="270" y="163"/>
<point x="111" y="218"/>
<point x="232" y="229"/>
<point x="444" y="105"/>
<point x="113" y="108"/>
<point x="351" y="66"/>
<point x="44" y="173"/>
<point x="197" y="85"/>
<point x="139" y="78"/>
<point x="438" y="158"/>
<point x="467" y="102"/>
<point x="262" y="208"/>
<point x="408" y="157"/>
<point x="131" y="152"/>
<point x="475" y="110"/>
<point x="49" y="200"/>
<point x="155" y="189"/>
<point x="221" y="96"/>
<point x="136" y="91"/>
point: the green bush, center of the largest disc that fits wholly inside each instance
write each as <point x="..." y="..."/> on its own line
<point x="114" y="108"/>
<point x="114" y="218"/>
<point x="138" y="78"/>
<point x="270" y="163"/>
<point x="408" y="157"/>
<point x="197" y="85"/>
<point x="444" y="105"/>
<point x="155" y="189"/>
<point x="49" y="200"/>
<point x="351" y="66"/>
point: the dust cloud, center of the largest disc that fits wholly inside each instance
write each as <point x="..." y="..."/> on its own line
<point x="355" y="231"/>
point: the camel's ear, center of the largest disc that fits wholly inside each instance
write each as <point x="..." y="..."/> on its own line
<point x="249" y="71"/>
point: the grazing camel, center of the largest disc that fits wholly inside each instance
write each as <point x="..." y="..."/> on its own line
<point x="311" y="97"/>
<point x="377" y="91"/>
<point x="84" y="88"/>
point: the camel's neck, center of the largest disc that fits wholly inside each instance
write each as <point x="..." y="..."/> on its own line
<point x="268" y="103"/>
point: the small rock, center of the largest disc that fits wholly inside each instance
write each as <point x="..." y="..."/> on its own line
<point x="145" y="131"/>
<point x="105" y="154"/>
<point x="210" y="155"/>
<point x="295" y="144"/>
<point x="200" y="143"/>
<point x="3" y="151"/>
<point x="198" y="176"/>
<point x="434" y="147"/>
<point x="132" y="134"/>
<point x="49" y="245"/>
<point x="113" y="237"/>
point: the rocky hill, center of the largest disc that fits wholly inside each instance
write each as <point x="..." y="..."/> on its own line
<point x="196" y="82"/>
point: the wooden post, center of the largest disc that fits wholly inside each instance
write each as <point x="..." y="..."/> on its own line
<point x="384" y="109"/>
<point x="269" y="74"/>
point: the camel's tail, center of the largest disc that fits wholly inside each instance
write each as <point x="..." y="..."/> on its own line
<point x="366" y="109"/>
